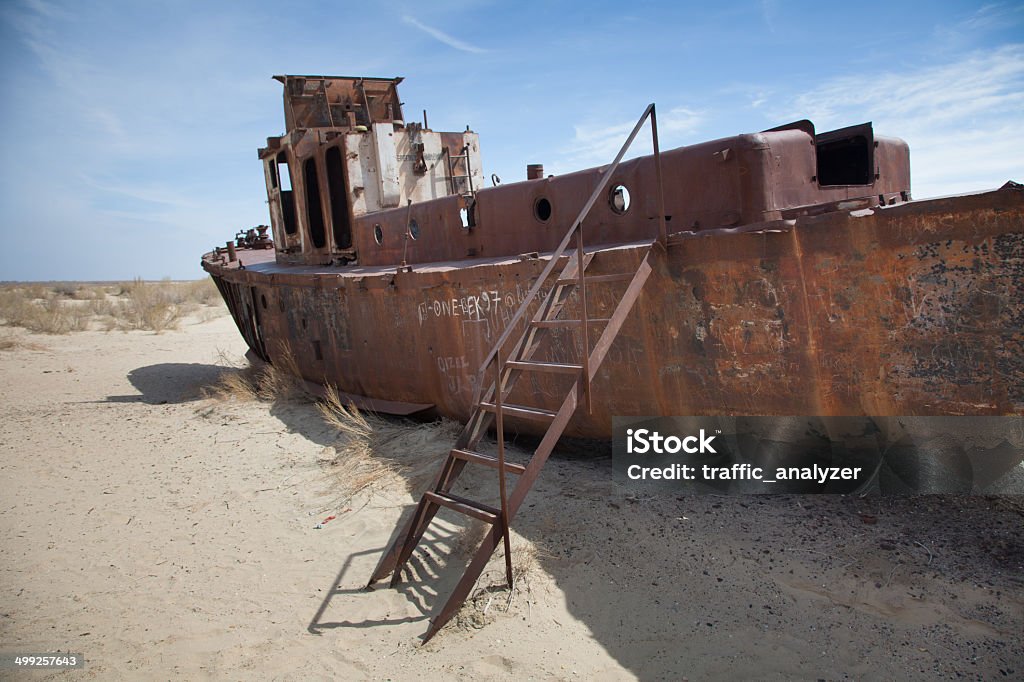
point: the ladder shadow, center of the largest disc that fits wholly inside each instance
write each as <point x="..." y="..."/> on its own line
<point x="425" y="581"/>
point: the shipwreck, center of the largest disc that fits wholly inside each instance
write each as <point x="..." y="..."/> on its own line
<point x="784" y="272"/>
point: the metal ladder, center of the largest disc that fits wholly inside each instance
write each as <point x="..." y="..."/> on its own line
<point x="454" y="179"/>
<point x="490" y="405"/>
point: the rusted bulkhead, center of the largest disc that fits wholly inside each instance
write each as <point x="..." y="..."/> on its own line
<point x="797" y="278"/>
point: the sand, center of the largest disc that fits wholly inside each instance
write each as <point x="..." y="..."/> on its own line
<point x="165" y="534"/>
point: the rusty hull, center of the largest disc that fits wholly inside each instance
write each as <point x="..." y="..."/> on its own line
<point x="911" y="309"/>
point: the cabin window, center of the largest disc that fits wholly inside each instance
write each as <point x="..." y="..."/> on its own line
<point x="378" y="234"/>
<point x="414" y="229"/>
<point x="542" y="210"/>
<point x="340" y="225"/>
<point x="317" y="229"/>
<point x="284" y="175"/>
<point x="618" y="199"/>
<point x="844" y="161"/>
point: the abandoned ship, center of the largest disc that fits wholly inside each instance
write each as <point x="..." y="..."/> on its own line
<point x="785" y="272"/>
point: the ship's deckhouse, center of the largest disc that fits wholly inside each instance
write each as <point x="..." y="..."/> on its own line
<point x="349" y="152"/>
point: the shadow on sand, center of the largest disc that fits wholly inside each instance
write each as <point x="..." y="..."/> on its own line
<point x="170" y="382"/>
<point x="707" y="586"/>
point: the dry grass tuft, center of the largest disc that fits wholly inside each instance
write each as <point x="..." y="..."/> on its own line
<point x="346" y="419"/>
<point x="8" y="342"/>
<point x="388" y="450"/>
<point x="491" y="596"/>
<point x="265" y="382"/>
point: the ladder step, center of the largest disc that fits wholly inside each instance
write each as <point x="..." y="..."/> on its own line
<point x="559" y="367"/>
<point x="487" y="461"/>
<point x="520" y="411"/>
<point x="464" y="506"/>
<point x="593" y="279"/>
<point x="567" y="323"/>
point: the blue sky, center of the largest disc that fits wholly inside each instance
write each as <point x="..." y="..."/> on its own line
<point x="132" y="128"/>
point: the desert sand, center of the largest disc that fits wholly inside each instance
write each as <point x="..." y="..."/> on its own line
<point x="166" y="532"/>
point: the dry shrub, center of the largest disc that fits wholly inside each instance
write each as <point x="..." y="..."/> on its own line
<point x="150" y="306"/>
<point x="19" y="307"/>
<point x="90" y="293"/>
<point x="382" y="447"/>
<point x="201" y="291"/>
<point x="36" y="291"/>
<point x="158" y="306"/>
<point x="354" y="467"/>
<point x="66" y="306"/>
<point x="264" y="382"/>
<point x="102" y="307"/>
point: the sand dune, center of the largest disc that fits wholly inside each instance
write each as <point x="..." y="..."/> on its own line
<point x="166" y="534"/>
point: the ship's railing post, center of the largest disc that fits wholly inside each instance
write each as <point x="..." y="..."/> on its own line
<point x="662" y="227"/>
<point x="499" y="389"/>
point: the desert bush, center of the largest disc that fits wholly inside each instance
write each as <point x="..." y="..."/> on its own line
<point x="65" y="306"/>
<point x="103" y="307"/>
<point x="90" y="293"/>
<point x="201" y="291"/>
<point x="150" y="305"/>
<point x="36" y="291"/>
<point x="266" y="382"/>
<point x="44" y="316"/>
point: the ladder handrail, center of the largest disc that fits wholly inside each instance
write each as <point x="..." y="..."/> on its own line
<point x="557" y="253"/>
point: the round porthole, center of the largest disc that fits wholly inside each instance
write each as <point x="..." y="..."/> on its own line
<point x="414" y="229"/>
<point x="378" y="234"/>
<point x="542" y="210"/>
<point x="618" y="199"/>
<point x="263" y="300"/>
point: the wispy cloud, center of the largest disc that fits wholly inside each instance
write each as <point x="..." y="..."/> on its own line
<point x="959" y="115"/>
<point x="448" y="40"/>
<point x="994" y="16"/>
<point x="768" y="11"/>
<point x="595" y="144"/>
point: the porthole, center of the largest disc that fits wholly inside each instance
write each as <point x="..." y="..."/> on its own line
<point x="414" y="229"/>
<point x="378" y="234"/>
<point x="263" y="300"/>
<point x="618" y="199"/>
<point x="542" y="210"/>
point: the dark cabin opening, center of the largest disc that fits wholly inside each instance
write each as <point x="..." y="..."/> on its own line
<point x="284" y="175"/>
<point x="314" y="211"/>
<point x="340" y="225"/>
<point x="844" y="160"/>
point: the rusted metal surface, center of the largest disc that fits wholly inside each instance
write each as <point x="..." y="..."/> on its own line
<point x="909" y="309"/>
